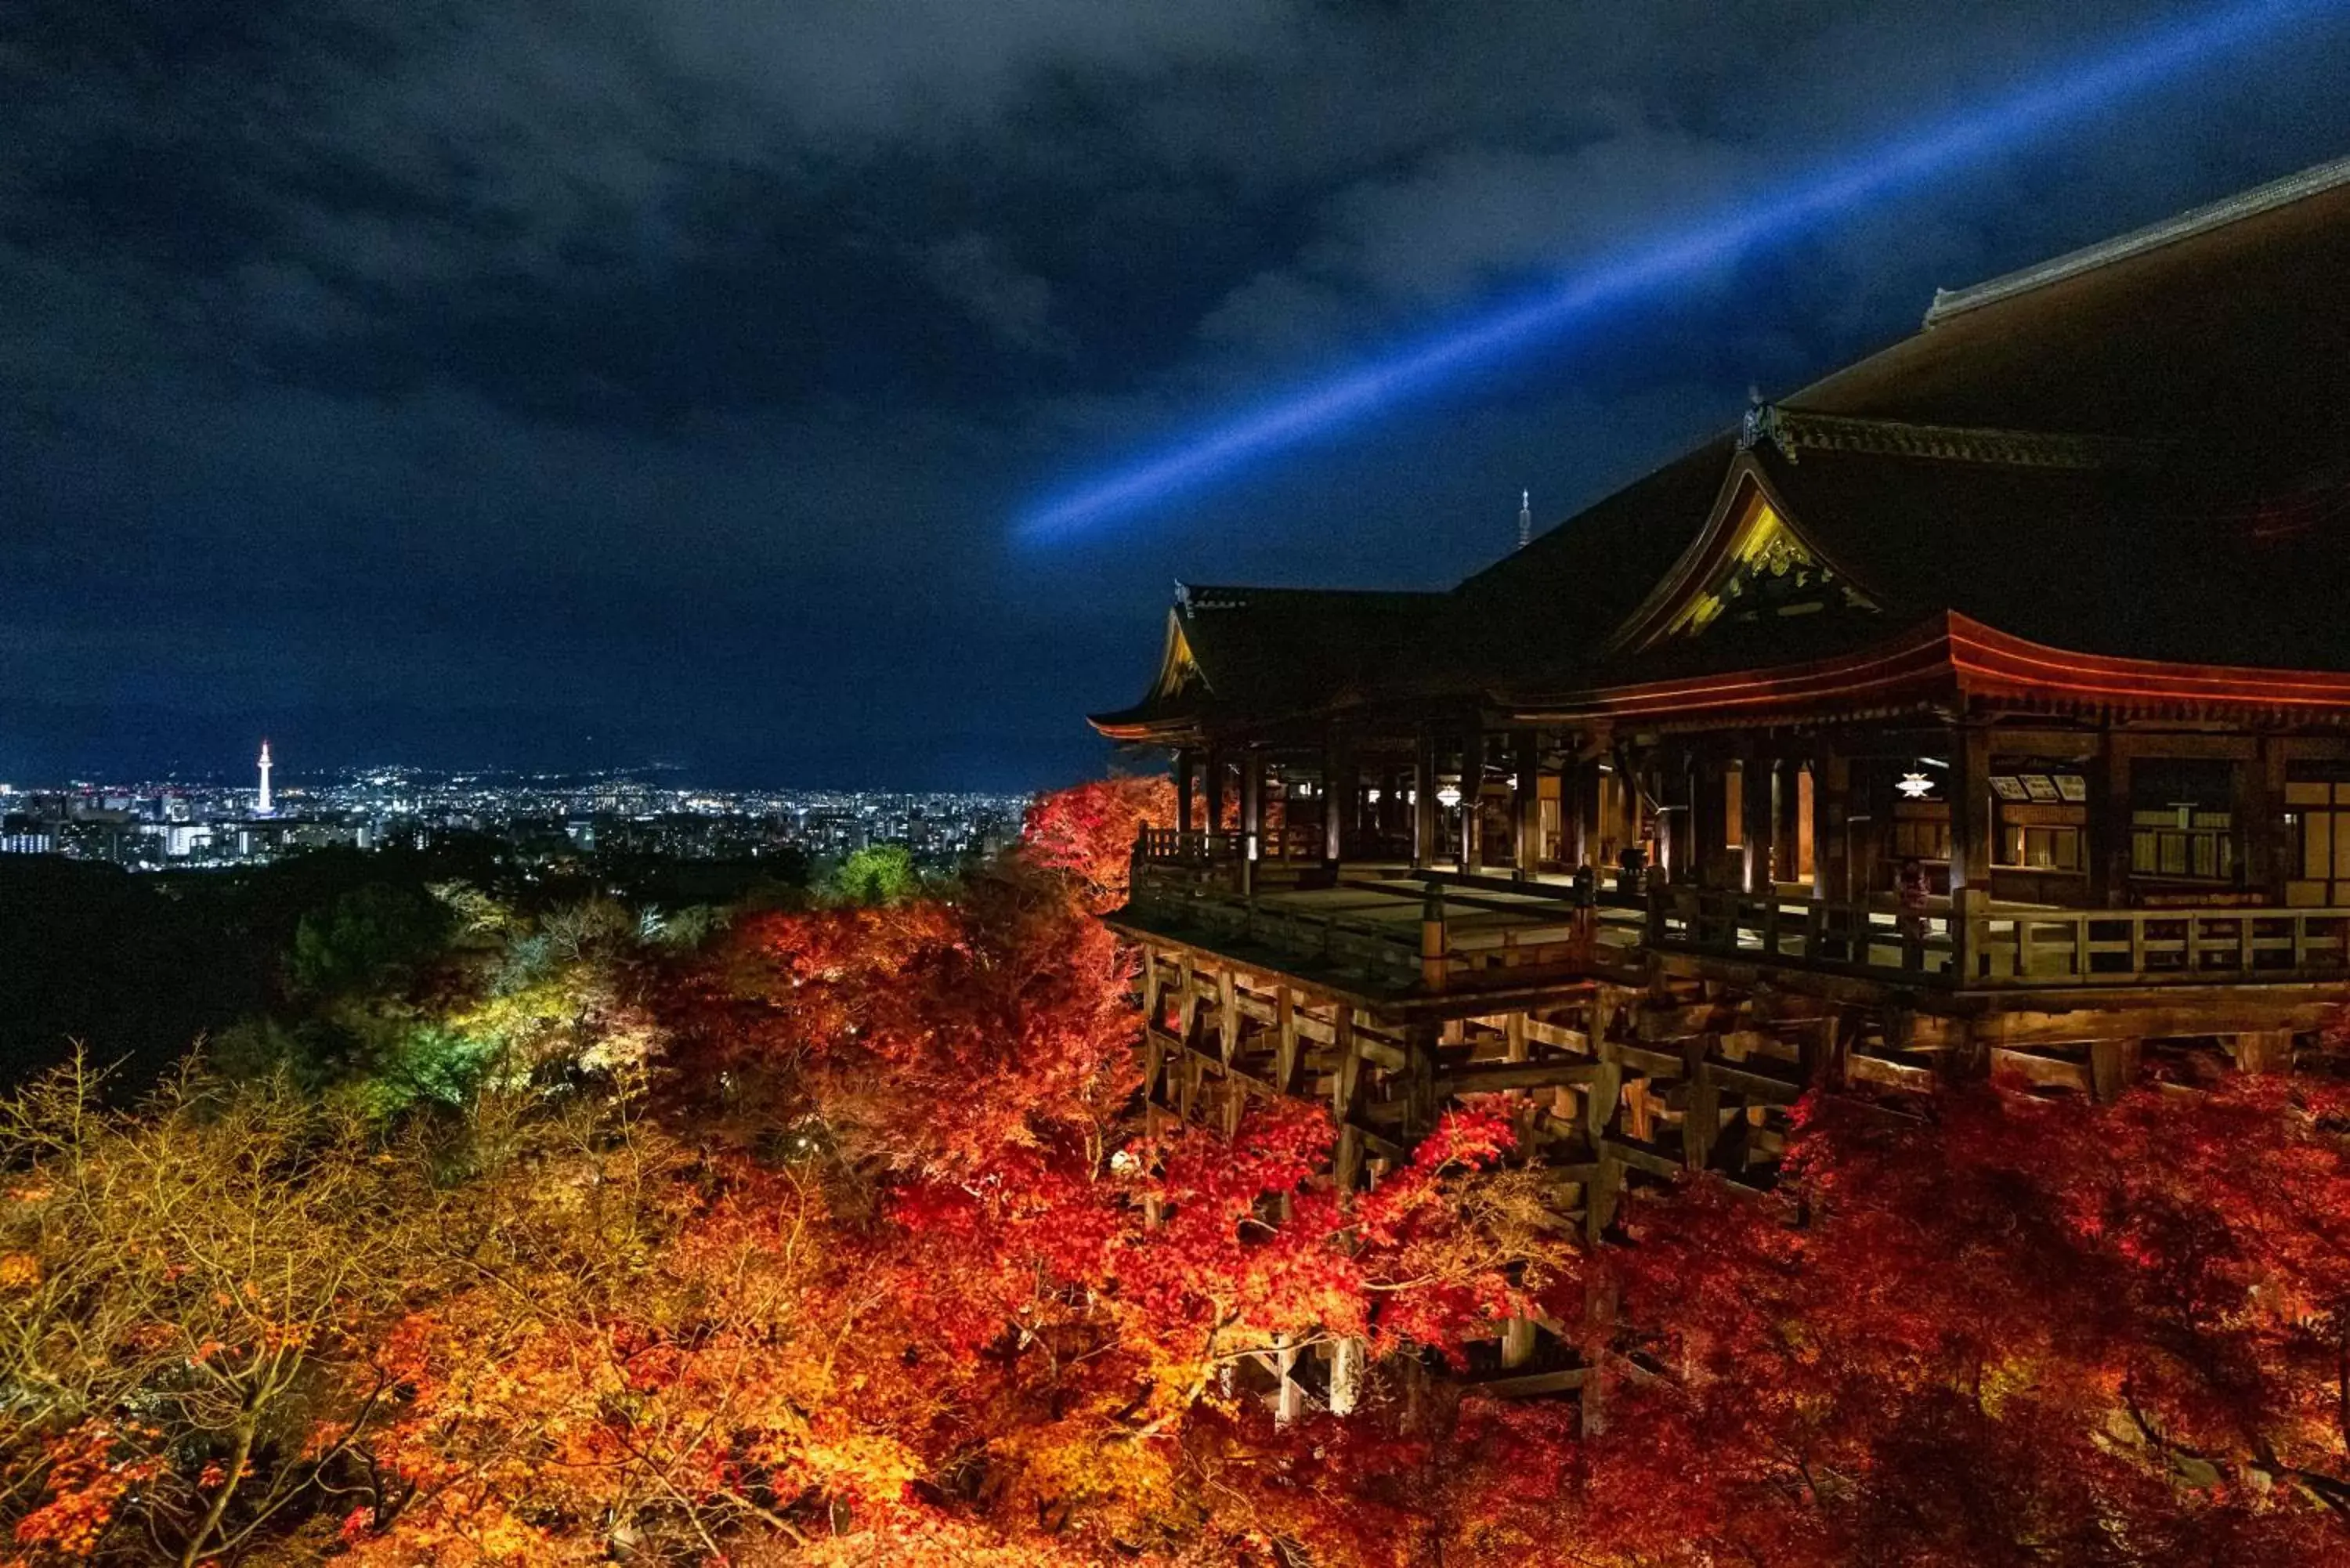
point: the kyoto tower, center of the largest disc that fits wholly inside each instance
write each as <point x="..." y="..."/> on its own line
<point x="262" y="807"/>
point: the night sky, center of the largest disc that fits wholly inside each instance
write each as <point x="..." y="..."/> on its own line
<point x="577" y="384"/>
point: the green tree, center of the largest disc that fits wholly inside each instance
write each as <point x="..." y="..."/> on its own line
<point x="878" y="874"/>
<point x="367" y="937"/>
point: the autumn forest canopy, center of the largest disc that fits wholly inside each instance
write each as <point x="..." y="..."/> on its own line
<point x="488" y="1227"/>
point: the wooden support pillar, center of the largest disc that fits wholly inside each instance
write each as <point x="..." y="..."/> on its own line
<point x="1186" y="760"/>
<point x="1821" y="1052"/>
<point x="1473" y="799"/>
<point x="2265" y="1051"/>
<point x="1418" y="1081"/>
<point x="1831" y="805"/>
<point x="1154" y="1063"/>
<point x="1215" y="790"/>
<point x="1971" y="831"/>
<point x="1579" y="803"/>
<point x="1601" y="1096"/>
<point x="2260" y="817"/>
<point x="1758" y="811"/>
<point x="1435" y="944"/>
<point x="1339" y="794"/>
<point x="1600" y="1196"/>
<point x="2113" y="1067"/>
<point x="1598" y="1332"/>
<point x="1227" y="1015"/>
<point x="1709" y="826"/>
<point x="1187" y="1001"/>
<point x="1701" y="1108"/>
<point x="1346" y="1100"/>
<point x="2109" y="825"/>
<point x="1347" y="1358"/>
<point x="1253" y="798"/>
<point x="1792" y="830"/>
<point x="1284" y="1039"/>
<point x="1423" y="799"/>
<point x="1527" y="800"/>
<point x="1289" y="1400"/>
<point x="1680" y="829"/>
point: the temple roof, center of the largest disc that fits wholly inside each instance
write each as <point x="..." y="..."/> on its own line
<point x="1242" y="653"/>
<point x="2225" y="325"/>
<point x="2139" y="452"/>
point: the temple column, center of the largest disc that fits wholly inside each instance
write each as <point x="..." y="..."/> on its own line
<point x="1758" y="787"/>
<point x="1215" y="790"/>
<point x="1252" y="797"/>
<point x="1338" y="794"/>
<point x="1580" y="797"/>
<point x="1527" y="799"/>
<point x="1710" y="809"/>
<point x="1870" y="811"/>
<point x="1252" y="816"/>
<point x="1185" y="759"/>
<point x="2109" y="825"/>
<point x="1423" y="799"/>
<point x="1791" y="830"/>
<point x="1970" y="828"/>
<point x="1473" y="799"/>
<point x="2262" y="812"/>
<point x="1831" y="787"/>
<point x="1678" y="829"/>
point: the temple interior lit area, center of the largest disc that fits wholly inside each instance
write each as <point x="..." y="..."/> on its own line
<point x="1977" y="708"/>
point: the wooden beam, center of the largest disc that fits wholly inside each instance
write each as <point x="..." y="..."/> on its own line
<point x="1490" y="1077"/>
<point x="1228" y="1016"/>
<point x="1531" y="1384"/>
<point x="1284" y="1051"/>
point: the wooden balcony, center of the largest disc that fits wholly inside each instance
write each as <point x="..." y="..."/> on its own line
<point x="1370" y="925"/>
<point x="1378" y="932"/>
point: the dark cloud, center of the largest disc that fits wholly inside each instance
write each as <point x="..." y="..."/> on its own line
<point x="672" y="374"/>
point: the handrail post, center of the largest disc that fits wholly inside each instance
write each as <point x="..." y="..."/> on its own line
<point x="1434" y="948"/>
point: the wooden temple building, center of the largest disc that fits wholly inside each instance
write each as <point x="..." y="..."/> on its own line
<point x="1984" y="707"/>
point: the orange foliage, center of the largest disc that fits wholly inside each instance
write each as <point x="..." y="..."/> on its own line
<point x="878" y="1266"/>
<point x="1087" y="833"/>
<point x="2029" y="1331"/>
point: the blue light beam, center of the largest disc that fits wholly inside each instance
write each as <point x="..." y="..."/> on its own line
<point x="1935" y="149"/>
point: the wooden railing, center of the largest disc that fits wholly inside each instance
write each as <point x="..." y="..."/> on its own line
<point x="1383" y="953"/>
<point x="1190" y="846"/>
<point x="1198" y="846"/>
<point x="1467" y="946"/>
<point x="1804" y="932"/>
<point x="2010" y="947"/>
<point x="2006" y="946"/>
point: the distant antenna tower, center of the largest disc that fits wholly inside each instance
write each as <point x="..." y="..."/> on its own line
<point x="1525" y="518"/>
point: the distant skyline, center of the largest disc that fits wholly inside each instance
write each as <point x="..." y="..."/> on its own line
<point x="553" y="387"/>
<point x="655" y="774"/>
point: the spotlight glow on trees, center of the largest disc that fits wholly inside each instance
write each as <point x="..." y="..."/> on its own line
<point x="1588" y="293"/>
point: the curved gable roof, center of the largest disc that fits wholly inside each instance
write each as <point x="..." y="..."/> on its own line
<point x="2138" y="451"/>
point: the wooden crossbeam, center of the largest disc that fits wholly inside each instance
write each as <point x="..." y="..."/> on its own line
<point x="1487" y="1077"/>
